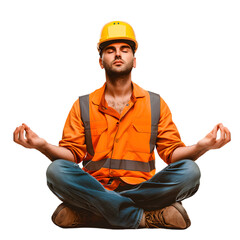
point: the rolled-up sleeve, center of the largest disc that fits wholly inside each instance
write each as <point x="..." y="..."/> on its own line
<point x="168" y="138"/>
<point x="73" y="137"/>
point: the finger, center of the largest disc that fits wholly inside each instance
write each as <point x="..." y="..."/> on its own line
<point x="228" y="134"/>
<point x="21" y="138"/>
<point x="26" y="127"/>
<point x="29" y="133"/>
<point x="214" y="131"/>
<point x="15" y="134"/>
<point x="21" y="134"/>
<point x="222" y="131"/>
<point x="225" y="137"/>
<point x="220" y="141"/>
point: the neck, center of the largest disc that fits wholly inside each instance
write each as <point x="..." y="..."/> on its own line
<point x="118" y="87"/>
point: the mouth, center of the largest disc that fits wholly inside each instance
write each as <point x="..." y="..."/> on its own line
<point x="118" y="62"/>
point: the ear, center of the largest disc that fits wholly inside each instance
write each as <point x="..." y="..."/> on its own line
<point x="134" y="62"/>
<point x="100" y="63"/>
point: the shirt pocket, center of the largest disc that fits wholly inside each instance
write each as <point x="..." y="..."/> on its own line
<point x="98" y="134"/>
<point x="139" y="137"/>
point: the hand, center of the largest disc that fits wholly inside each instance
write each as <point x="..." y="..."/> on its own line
<point x="31" y="139"/>
<point x="211" y="141"/>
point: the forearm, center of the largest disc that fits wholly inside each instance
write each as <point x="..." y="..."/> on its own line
<point x="191" y="152"/>
<point x="55" y="152"/>
<point x="32" y="140"/>
<point x="209" y="142"/>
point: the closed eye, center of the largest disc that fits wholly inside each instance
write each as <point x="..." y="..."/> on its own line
<point x="109" y="49"/>
<point x="125" y="49"/>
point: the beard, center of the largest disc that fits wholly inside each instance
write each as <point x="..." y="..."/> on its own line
<point x="114" y="72"/>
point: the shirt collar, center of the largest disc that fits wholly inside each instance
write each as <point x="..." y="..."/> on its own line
<point x="98" y="95"/>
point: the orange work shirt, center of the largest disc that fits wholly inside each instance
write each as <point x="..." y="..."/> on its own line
<point x="118" y="148"/>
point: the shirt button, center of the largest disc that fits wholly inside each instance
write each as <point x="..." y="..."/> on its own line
<point x="117" y="140"/>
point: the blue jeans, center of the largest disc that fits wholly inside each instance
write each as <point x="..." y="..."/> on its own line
<point x="123" y="208"/>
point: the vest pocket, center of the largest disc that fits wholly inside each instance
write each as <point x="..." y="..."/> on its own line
<point x="139" y="137"/>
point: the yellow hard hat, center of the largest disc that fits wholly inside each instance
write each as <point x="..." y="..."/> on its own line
<point x="115" y="31"/>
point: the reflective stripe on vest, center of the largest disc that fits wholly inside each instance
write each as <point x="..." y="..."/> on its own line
<point x="155" y="117"/>
<point x="115" y="163"/>
<point x="84" y="109"/>
<point x="130" y="165"/>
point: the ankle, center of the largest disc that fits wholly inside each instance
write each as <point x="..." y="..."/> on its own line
<point x="142" y="222"/>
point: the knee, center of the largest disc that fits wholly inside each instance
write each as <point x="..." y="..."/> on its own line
<point x="191" y="171"/>
<point x="55" y="170"/>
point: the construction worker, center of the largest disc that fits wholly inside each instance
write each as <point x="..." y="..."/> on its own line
<point x="113" y="132"/>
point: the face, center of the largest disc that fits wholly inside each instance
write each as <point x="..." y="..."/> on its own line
<point x="117" y="59"/>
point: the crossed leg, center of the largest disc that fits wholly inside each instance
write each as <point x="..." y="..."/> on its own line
<point x="124" y="209"/>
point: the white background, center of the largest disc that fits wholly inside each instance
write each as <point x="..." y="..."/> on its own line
<point x="189" y="52"/>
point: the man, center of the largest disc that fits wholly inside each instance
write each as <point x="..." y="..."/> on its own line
<point x="113" y="132"/>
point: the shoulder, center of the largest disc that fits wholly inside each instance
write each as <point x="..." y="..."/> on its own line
<point x="94" y="97"/>
<point x="140" y="92"/>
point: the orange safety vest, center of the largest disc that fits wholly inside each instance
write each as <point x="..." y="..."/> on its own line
<point x="118" y="148"/>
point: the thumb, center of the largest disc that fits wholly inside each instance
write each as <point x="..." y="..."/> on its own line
<point x="26" y="127"/>
<point x="214" y="131"/>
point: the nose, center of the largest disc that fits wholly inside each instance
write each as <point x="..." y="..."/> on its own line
<point x="118" y="53"/>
